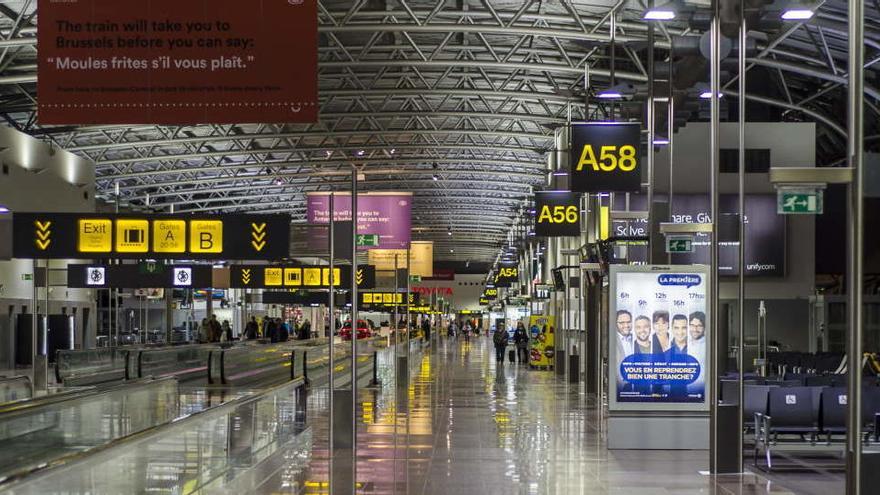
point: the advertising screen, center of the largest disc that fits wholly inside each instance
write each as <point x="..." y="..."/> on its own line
<point x="765" y="232"/>
<point x="658" y="337"/>
<point x="387" y="215"/>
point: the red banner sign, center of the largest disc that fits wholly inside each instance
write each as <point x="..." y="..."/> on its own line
<point x="177" y="61"/>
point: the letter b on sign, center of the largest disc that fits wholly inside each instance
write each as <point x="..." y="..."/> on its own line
<point x="206" y="236"/>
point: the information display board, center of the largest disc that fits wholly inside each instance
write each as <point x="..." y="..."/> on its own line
<point x="123" y="236"/>
<point x="659" y="341"/>
<point x="557" y="214"/>
<point x="606" y="157"/>
<point x="177" y="61"/>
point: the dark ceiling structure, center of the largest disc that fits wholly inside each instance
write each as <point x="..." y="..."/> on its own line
<point x="454" y="100"/>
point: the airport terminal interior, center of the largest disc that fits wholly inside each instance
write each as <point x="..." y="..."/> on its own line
<point x="440" y="247"/>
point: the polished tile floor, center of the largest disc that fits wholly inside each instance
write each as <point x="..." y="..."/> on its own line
<point x="465" y="425"/>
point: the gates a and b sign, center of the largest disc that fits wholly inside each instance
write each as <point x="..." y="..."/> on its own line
<point x="605" y="157"/>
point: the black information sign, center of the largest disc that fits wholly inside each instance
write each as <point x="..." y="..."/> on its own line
<point x="101" y="236"/>
<point x="98" y="276"/>
<point x="605" y="157"/>
<point x="386" y="301"/>
<point x="506" y="275"/>
<point x="301" y="297"/>
<point x="298" y="276"/>
<point x="490" y="293"/>
<point x="557" y="214"/>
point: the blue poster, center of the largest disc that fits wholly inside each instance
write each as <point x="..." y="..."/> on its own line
<point x="659" y="335"/>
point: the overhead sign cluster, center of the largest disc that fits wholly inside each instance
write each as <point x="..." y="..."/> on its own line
<point x="384" y="300"/>
<point x="73" y="235"/>
<point x="296" y="277"/>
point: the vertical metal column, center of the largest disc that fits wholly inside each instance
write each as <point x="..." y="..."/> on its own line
<point x="651" y="132"/>
<point x="331" y="339"/>
<point x="354" y="323"/>
<point x="855" y="152"/>
<point x="34" y="302"/>
<point x="714" y="140"/>
<point x="741" y="280"/>
<point x="670" y="128"/>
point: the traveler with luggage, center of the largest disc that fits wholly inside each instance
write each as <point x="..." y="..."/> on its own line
<point x="500" y="339"/>
<point x="521" y="340"/>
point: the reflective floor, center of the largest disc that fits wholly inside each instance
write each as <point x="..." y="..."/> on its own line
<point x="466" y="425"/>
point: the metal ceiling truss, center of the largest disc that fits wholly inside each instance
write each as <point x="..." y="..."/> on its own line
<point x="454" y="100"/>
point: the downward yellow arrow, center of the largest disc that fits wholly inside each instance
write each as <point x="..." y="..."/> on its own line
<point x="258" y="237"/>
<point x="43" y="226"/>
<point x="44" y="235"/>
<point x="259" y="228"/>
<point x="258" y="246"/>
<point x="43" y="244"/>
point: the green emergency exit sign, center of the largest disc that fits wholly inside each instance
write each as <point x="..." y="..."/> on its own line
<point x="808" y="202"/>
<point x="679" y="244"/>
<point x="368" y="240"/>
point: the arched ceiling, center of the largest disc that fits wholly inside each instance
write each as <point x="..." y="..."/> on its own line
<point x="464" y="91"/>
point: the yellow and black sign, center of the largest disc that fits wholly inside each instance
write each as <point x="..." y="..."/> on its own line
<point x="386" y="300"/>
<point x="484" y="301"/>
<point x="298" y="277"/>
<point x="490" y="293"/>
<point x="73" y="235"/>
<point x="557" y="214"/>
<point x="42" y="234"/>
<point x="506" y="275"/>
<point x="605" y="157"/>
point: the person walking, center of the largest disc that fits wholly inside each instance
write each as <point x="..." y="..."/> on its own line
<point x="467" y="331"/>
<point x="521" y="340"/>
<point x="500" y="339"/>
<point x="250" y="330"/>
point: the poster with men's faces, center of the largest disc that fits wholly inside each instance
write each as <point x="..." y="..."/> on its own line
<point x="659" y="336"/>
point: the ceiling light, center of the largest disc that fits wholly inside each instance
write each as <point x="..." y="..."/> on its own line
<point x="278" y="181"/>
<point x="609" y="95"/>
<point x="661" y="141"/>
<point x="797" y="14"/>
<point x="360" y="152"/>
<point x="708" y="94"/>
<point x="663" y="14"/>
<point x="452" y="250"/>
<point x="560" y="173"/>
<point x="393" y="150"/>
<point x="3" y="209"/>
<point x="435" y="177"/>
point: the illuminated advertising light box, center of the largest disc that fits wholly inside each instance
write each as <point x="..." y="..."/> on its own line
<point x="421" y="258"/>
<point x="605" y="157"/>
<point x="177" y="61"/>
<point x="557" y="214"/>
<point x="659" y="339"/>
<point x="386" y="214"/>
